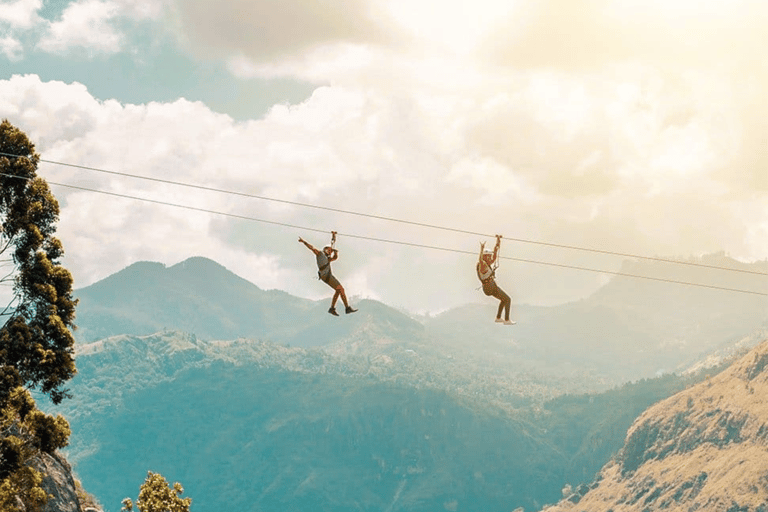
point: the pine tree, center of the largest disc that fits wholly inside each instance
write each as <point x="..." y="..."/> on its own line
<point x="36" y="342"/>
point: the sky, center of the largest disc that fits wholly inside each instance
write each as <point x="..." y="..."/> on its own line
<point x="631" y="126"/>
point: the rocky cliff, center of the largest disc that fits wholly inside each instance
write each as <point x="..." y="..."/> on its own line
<point x="58" y="483"/>
<point x="705" y="448"/>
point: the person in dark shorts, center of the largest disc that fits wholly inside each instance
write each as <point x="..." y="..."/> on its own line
<point x="324" y="259"/>
<point x="486" y="272"/>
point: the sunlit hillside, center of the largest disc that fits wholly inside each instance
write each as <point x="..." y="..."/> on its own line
<point x="705" y="448"/>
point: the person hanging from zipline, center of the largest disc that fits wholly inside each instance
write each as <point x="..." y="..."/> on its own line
<point x="486" y="272"/>
<point x="324" y="259"/>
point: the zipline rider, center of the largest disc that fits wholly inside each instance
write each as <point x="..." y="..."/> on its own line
<point x="486" y="272"/>
<point x="324" y="259"/>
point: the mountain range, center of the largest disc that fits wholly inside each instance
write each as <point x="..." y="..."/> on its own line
<point x="260" y="426"/>
<point x="194" y="372"/>
<point x="629" y="329"/>
<point x="201" y="297"/>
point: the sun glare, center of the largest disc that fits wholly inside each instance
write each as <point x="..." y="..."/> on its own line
<point x="455" y="25"/>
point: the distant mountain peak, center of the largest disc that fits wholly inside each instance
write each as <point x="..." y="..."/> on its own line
<point x="142" y="267"/>
<point x="200" y="296"/>
<point x="198" y="262"/>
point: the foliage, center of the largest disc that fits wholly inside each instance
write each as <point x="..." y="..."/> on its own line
<point x="36" y="342"/>
<point x="86" y="499"/>
<point x="155" y="495"/>
<point x="36" y="338"/>
<point x="21" y="491"/>
<point x="277" y="428"/>
<point x="26" y="432"/>
<point x="275" y="439"/>
<point x="589" y="428"/>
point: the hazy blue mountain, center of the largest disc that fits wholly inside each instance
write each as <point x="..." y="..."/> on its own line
<point x="629" y="329"/>
<point x="727" y="351"/>
<point x="377" y="410"/>
<point x="251" y="425"/>
<point x="200" y="296"/>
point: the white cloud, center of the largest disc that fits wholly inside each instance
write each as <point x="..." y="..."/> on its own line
<point x="21" y="14"/>
<point x="11" y="48"/>
<point x="95" y="26"/>
<point x="87" y="24"/>
<point x="628" y="156"/>
<point x="585" y="35"/>
<point x="143" y="9"/>
<point x="270" y="29"/>
<point x="612" y="124"/>
<point x="15" y="19"/>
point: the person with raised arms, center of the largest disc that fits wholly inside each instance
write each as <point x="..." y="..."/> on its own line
<point x="486" y="272"/>
<point x="324" y="259"/>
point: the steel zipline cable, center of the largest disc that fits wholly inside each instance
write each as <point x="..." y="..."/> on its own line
<point x="393" y="219"/>
<point x="389" y="241"/>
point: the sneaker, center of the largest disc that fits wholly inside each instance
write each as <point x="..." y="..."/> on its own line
<point x="333" y="311"/>
<point x="509" y="322"/>
<point x="349" y="310"/>
<point x="499" y="320"/>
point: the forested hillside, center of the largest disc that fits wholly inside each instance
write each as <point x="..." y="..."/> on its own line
<point x="246" y="422"/>
<point x="380" y="410"/>
<point x="628" y="330"/>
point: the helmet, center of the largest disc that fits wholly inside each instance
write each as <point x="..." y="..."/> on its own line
<point x="327" y="249"/>
<point x="487" y="257"/>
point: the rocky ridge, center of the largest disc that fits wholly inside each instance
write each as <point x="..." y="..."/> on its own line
<point x="705" y="448"/>
<point x="59" y="484"/>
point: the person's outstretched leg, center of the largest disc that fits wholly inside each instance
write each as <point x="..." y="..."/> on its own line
<point x="347" y="308"/>
<point x="505" y="303"/>
<point x="331" y="281"/>
<point x="340" y="293"/>
<point x="332" y="310"/>
<point x="492" y="290"/>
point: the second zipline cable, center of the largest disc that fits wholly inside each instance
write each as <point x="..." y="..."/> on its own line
<point x="398" y="242"/>
<point x="393" y="219"/>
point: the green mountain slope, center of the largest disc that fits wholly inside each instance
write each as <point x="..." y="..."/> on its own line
<point x="630" y="329"/>
<point x="200" y="296"/>
<point x="372" y="411"/>
<point x="252" y="425"/>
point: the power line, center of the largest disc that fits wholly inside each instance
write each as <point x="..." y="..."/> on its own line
<point x="393" y="219"/>
<point x="382" y="240"/>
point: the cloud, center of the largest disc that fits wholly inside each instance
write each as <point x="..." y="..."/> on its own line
<point x="94" y="26"/>
<point x="629" y="162"/>
<point x="624" y="125"/>
<point x="21" y="14"/>
<point x="274" y="29"/>
<point x="86" y="24"/>
<point x="54" y="111"/>
<point x="137" y="10"/>
<point x="11" y="48"/>
<point x="15" y="19"/>
<point x="589" y="34"/>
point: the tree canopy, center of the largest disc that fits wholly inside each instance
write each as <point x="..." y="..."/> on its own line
<point x="36" y="323"/>
<point x="155" y="495"/>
